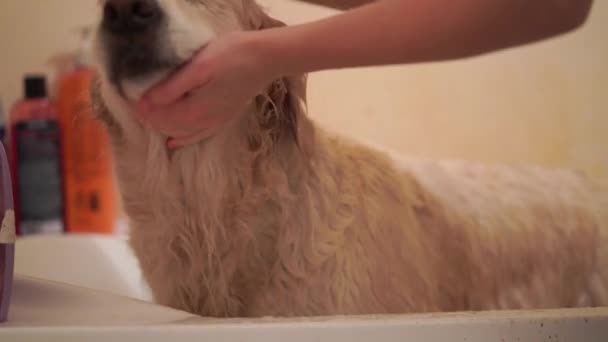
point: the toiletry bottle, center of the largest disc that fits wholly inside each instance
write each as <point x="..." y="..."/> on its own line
<point x="2" y="123"/>
<point x="35" y="156"/>
<point x="89" y="181"/>
<point x="7" y="236"/>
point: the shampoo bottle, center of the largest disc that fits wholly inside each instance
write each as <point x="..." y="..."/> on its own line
<point x="89" y="182"/>
<point x="35" y="156"/>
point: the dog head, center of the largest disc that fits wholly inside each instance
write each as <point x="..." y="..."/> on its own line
<point x="140" y="42"/>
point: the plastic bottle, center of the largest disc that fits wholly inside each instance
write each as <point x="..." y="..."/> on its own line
<point x="7" y="236"/>
<point x="89" y="182"/>
<point x="35" y="157"/>
<point x="2" y="123"/>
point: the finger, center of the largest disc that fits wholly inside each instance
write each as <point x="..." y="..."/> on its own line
<point x="184" y="122"/>
<point x="138" y="115"/>
<point x="191" y="111"/>
<point x="174" y="143"/>
<point x="176" y="86"/>
<point x="167" y="131"/>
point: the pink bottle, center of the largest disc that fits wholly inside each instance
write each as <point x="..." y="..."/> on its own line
<point x="35" y="159"/>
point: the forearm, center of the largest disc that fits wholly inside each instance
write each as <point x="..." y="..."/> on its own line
<point x="409" y="31"/>
<point x="339" y="4"/>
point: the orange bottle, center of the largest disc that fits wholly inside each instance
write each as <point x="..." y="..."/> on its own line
<point x="89" y="184"/>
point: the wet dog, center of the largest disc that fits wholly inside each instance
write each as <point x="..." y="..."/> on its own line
<point x="275" y="216"/>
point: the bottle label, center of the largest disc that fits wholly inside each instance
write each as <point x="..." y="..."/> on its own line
<point x="39" y="177"/>
<point x="8" y="233"/>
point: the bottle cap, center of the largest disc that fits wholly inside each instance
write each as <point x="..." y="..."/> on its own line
<point x="83" y="54"/>
<point x="35" y="87"/>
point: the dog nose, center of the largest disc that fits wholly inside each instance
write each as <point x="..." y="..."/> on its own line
<point x="130" y="16"/>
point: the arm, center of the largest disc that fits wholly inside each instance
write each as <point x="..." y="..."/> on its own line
<point x="408" y="31"/>
<point x="382" y="32"/>
<point x="339" y="4"/>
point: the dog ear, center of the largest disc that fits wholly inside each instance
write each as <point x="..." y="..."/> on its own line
<point x="282" y="108"/>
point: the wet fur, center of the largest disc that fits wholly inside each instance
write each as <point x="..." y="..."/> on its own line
<point x="274" y="216"/>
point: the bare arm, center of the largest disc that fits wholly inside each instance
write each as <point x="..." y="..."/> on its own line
<point x="382" y="32"/>
<point x="408" y="31"/>
<point x="339" y="4"/>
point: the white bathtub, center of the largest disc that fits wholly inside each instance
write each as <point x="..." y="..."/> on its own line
<point x="106" y="313"/>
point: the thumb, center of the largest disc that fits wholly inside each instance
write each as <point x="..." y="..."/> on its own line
<point x="174" y="143"/>
<point x="177" y="85"/>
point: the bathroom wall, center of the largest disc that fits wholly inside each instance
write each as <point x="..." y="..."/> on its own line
<point x="546" y="103"/>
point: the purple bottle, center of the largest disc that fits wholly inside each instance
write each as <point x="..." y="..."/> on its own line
<point x="7" y="236"/>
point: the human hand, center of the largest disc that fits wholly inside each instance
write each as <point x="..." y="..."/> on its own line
<point x="213" y="88"/>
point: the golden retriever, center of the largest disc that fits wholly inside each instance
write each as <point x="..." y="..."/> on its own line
<point x="274" y="216"/>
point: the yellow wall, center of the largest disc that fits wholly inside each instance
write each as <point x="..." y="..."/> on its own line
<point x="546" y="103"/>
